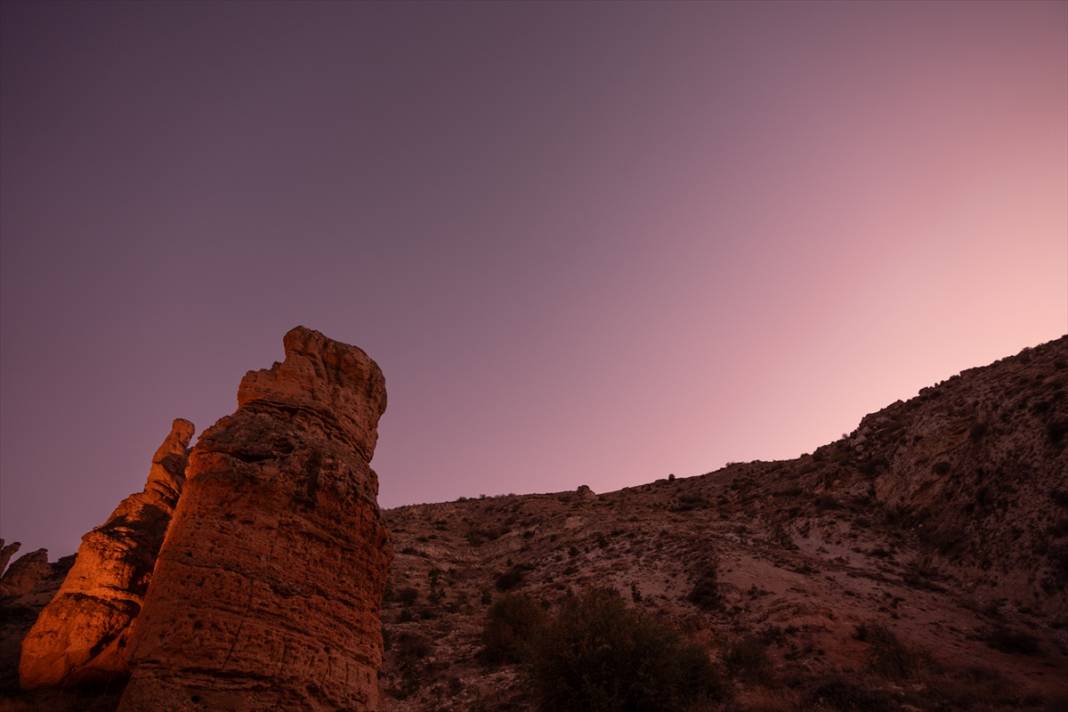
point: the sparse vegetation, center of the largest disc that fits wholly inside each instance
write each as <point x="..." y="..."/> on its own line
<point x="512" y="623"/>
<point x="888" y="656"/>
<point x="747" y="659"/>
<point x="1056" y="429"/>
<point x="512" y="578"/>
<point x="842" y="695"/>
<point x="690" y="502"/>
<point x="705" y="593"/>
<point x="598" y="655"/>
<point x="1014" y="642"/>
<point x="826" y="503"/>
<point x="406" y="596"/>
<point x="409" y="649"/>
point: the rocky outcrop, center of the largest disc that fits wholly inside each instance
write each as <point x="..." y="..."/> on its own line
<point x="267" y="589"/>
<point x="6" y="552"/>
<point x="25" y="573"/>
<point x="81" y="634"/>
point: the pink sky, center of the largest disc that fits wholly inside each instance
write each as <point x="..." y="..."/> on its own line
<point x="586" y="243"/>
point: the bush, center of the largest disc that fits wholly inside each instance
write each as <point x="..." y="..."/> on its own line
<point x="1056" y="429"/>
<point x="747" y="659"/>
<point x="412" y="647"/>
<point x="406" y="596"/>
<point x="513" y="621"/>
<point x="598" y="655"/>
<point x="512" y="578"/>
<point x="826" y="502"/>
<point x="1012" y="641"/>
<point x="1059" y="497"/>
<point x="844" y="696"/>
<point x="705" y="593"/>
<point x="690" y="502"/>
<point x="888" y="656"/>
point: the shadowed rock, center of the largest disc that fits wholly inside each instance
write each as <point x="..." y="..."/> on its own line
<point x="25" y="573"/>
<point x="267" y="589"/>
<point x="81" y="634"/>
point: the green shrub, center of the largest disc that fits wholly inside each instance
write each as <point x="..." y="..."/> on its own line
<point x="512" y="623"/>
<point x="598" y="655"/>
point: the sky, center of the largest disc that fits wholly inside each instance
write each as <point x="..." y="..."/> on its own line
<point x="587" y="243"/>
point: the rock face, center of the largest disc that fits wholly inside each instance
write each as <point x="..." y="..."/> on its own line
<point x="267" y="589"/>
<point x="6" y="552"/>
<point x="17" y="615"/>
<point x="25" y="573"/>
<point x="81" y="634"/>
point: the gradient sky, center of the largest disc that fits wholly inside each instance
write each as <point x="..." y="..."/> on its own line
<point x="587" y="243"/>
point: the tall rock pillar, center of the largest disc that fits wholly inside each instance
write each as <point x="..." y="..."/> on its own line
<point x="81" y="634"/>
<point x="267" y="588"/>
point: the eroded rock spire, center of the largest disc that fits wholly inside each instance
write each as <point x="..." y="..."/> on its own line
<point x="81" y="634"/>
<point x="267" y="589"/>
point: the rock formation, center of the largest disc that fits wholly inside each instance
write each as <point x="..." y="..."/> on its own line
<point x="6" y="552"/>
<point x="81" y="634"/>
<point x="267" y="588"/>
<point x="25" y="573"/>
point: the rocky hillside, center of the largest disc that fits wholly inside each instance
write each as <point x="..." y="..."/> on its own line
<point x="920" y="562"/>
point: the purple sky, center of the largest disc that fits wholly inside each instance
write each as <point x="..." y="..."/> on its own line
<point x="586" y="243"/>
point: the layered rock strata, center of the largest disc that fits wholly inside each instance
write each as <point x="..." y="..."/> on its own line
<point x="267" y="589"/>
<point x="81" y="634"/>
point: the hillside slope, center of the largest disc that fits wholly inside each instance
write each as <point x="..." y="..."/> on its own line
<point x="943" y="519"/>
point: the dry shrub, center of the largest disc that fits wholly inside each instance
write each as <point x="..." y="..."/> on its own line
<point x="598" y="655"/>
<point x="512" y="622"/>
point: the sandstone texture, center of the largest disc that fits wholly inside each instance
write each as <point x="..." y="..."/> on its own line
<point x="81" y="634"/>
<point x="18" y="610"/>
<point x="267" y="588"/>
<point x="25" y="573"/>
